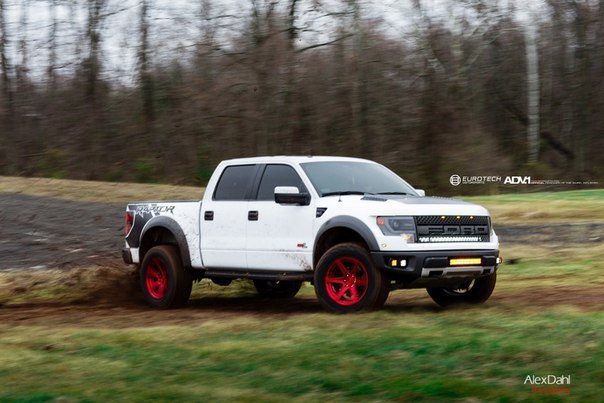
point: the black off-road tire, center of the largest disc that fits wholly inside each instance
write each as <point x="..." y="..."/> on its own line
<point x="164" y="282"/>
<point x="477" y="292"/>
<point x="278" y="289"/>
<point x="347" y="281"/>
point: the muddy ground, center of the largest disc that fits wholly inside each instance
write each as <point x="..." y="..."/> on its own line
<point x="75" y="237"/>
<point x="132" y="312"/>
<point x="44" y="232"/>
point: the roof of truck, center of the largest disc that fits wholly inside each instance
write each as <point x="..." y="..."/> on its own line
<point x="296" y="159"/>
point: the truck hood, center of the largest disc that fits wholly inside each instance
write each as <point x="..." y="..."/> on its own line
<point x="408" y="205"/>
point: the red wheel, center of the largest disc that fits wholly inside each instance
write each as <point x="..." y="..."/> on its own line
<point x="347" y="281"/>
<point x="157" y="278"/>
<point x="165" y="283"/>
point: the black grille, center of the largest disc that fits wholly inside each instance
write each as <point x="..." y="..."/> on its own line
<point x="444" y="229"/>
<point x="451" y="220"/>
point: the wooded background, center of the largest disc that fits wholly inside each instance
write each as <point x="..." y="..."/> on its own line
<point x="475" y="87"/>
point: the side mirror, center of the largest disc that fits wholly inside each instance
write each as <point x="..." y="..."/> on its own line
<point x="291" y="195"/>
<point x="421" y="192"/>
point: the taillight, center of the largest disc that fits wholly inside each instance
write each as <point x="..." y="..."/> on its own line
<point x="129" y="221"/>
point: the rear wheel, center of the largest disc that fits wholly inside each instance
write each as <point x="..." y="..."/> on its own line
<point x="277" y="288"/>
<point x="472" y="292"/>
<point x="347" y="281"/>
<point x="164" y="282"/>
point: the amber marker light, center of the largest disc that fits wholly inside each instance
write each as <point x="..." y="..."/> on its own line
<point x="465" y="261"/>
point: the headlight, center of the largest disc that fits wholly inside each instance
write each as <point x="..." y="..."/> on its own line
<point x="398" y="226"/>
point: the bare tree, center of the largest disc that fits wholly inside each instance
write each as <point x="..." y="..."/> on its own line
<point x="359" y="105"/>
<point x="7" y="146"/>
<point x="52" y="45"/>
<point x="23" y="43"/>
<point x="532" y="79"/>
<point x="5" y="67"/>
<point x="145" y="76"/>
<point x="92" y="63"/>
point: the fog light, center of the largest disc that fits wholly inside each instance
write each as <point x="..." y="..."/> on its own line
<point x="499" y="260"/>
<point x="398" y="263"/>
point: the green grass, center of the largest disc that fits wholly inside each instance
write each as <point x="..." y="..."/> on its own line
<point x="472" y="353"/>
<point x="411" y="351"/>
<point x="585" y="206"/>
<point x="592" y="195"/>
<point x="542" y="267"/>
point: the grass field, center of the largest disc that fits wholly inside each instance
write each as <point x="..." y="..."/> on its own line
<point x="407" y="355"/>
<point x="84" y="335"/>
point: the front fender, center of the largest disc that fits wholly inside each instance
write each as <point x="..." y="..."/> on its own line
<point x="351" y="223"/>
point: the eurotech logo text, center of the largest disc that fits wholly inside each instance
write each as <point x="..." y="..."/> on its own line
<point x="457" y="180"/>
<point x="549" y="384"/>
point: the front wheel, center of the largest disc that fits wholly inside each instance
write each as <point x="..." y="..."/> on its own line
<point x="277" y="288"/>
<point x="164" y="282"/>
<point x="471" y="292"/>
<point x="347" y="281"/>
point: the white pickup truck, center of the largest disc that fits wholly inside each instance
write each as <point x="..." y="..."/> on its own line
<point x="351" y="227"/>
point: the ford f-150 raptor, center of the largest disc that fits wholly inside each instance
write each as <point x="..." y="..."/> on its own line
<point x="351" y="227"/>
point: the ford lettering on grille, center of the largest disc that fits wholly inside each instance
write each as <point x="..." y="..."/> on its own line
<point x="453" y="230"/>
<point x="431" y="229"/>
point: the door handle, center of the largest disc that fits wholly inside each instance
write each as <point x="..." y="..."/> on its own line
<point x="208" y="216"/>
<point x="252" y="215"/>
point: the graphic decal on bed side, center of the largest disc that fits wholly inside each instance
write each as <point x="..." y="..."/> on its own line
<point x="142" y="214"/>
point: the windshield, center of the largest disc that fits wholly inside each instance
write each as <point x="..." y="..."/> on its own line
<point x="353" y="177"/>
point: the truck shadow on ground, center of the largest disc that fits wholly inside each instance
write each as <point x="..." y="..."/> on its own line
<point x="294" y="306"/>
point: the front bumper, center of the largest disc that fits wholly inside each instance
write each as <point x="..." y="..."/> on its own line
<point x="433" y="268"/>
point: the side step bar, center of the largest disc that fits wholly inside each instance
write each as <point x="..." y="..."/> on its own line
<point x="258" y="275"/>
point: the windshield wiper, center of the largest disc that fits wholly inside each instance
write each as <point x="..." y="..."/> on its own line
<point x="344" y="192"/>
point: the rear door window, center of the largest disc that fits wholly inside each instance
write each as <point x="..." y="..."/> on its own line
<point x="235" y="182"/>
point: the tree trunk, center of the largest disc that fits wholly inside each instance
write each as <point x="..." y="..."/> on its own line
<point x="52" y="45"/>
<point x="532" y="79"/>
<point x="92" y="64"/>
<point x="145" y="76"/>
<point x="7" y="147"/>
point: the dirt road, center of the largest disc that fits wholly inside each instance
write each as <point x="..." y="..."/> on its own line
<point x="44" y="232"/>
